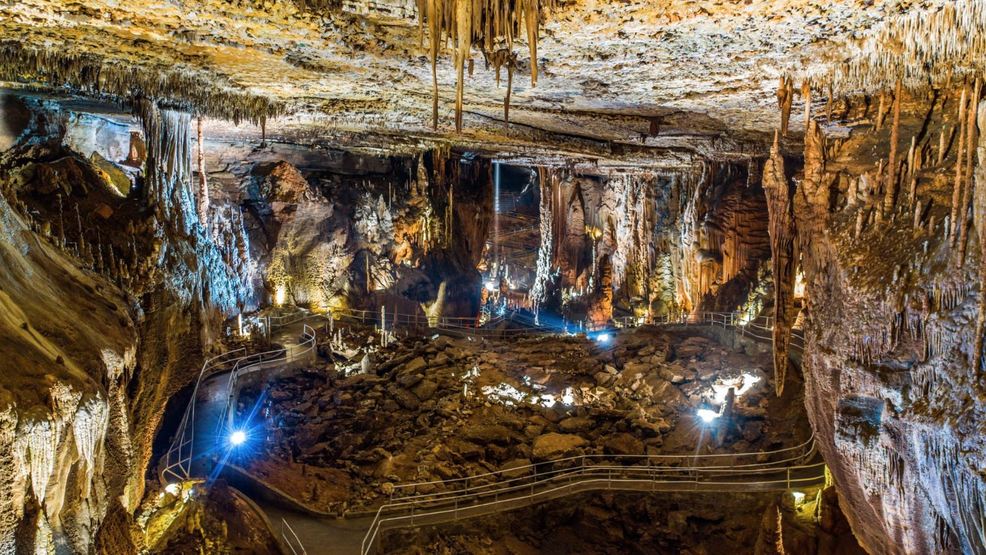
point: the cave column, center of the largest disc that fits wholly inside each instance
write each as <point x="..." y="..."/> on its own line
<point x="203" y="205"/>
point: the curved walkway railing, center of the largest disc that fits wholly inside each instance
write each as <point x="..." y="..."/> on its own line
<point x="760" y="328"/>
<point x="181" y="454"/>
<point x="524" y="486"/>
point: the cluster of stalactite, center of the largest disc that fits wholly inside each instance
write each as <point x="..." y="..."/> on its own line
<point x="168" y="171"/>
<point x="938" y="42"/>
<point x="490" y="25"/>
<point x="184" y="88"/>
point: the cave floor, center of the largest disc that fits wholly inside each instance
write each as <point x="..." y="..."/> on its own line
<point x="637" y="394"/>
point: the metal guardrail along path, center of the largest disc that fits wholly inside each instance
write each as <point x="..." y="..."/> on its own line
<point x="519" y="487"/>
<point x="457" y="500"/>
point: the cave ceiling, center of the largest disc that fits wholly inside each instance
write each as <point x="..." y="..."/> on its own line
<point x="629" y="83"/>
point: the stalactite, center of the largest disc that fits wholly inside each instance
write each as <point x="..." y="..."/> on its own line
<point x="968" y="185"/>
<point x="806" y="98"/>
<point x="881" y="110"/>
<point x="203" y="205"/>
<point x="169" y="160"/>
<point x="890" y="190"/>
<point x="952" y="232"/>
<point x="784" y="256"/>
<point x="186" y="89"/>
<point x="487" y="24"/>
<point x="785" y="97"/>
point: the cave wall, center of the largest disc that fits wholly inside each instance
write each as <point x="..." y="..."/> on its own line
<point x="372" y="231"/>
<point x="893" y="384"/>
<point x="110" y="299"/>
<point x="675" y="242"/>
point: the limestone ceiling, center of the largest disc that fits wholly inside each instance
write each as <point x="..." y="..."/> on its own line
<point x="701" y="74"/>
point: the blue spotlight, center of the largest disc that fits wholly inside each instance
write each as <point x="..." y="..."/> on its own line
<point x="238" y="437"/>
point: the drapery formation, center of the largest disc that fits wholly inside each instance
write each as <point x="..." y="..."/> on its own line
<point x="167" y="183"/>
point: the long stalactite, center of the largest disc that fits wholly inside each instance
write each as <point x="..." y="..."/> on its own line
<point x="490" y="25"/>
<point x="784" y="257"/>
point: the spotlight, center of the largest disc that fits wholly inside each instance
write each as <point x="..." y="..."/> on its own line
<point x="707" y="415"/>
<point x="490" y="286"/>
<point x="603" y="337"/>
<point x="237" y="437"/>
<point x="798" y="496"/>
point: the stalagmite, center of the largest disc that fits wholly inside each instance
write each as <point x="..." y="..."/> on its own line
<point x="784" y="256"/>
<point x="979" y="220"/>
<point x="542" y="276"/>
<point x="890" y="190"/>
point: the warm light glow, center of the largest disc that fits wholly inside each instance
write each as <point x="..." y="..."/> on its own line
<point x="280" y="294"/>
<point x="173" y="489"/>
<point x="799" y="497"/>
<point x="238" y="437"/>
<point x="799" y="285"/>
<point x="707" y="415"/>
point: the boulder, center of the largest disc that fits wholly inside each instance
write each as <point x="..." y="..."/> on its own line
<point x="425" y="390"/>
<point x="492" y="433"/>
<point x="576" y="424"/>
<point x="623" y="444"/>
<point x="515" y="468"/>
<point x="553" y="445"/>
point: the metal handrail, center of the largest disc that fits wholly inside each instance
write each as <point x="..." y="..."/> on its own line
<point x="180" y="455"/>
<point x="306" y="346"/>
<point x="285" y="528"/>
<point x="806" y="448"/>
<point x="580" y="478"/>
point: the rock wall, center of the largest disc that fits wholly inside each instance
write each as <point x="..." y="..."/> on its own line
<point x="893" y="387"/>
<point x="388" y="238"/>
<point x="109" y="303"/>
<point x="682" y="241"/>
<point x="65" y="420"/>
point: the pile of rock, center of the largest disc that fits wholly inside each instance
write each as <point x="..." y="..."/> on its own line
<point x="435" y="409"/>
